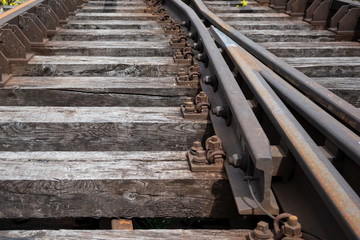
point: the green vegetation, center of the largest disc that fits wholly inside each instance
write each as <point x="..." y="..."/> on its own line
<point x="11" y="2"/>
<point x="153" y="223"/>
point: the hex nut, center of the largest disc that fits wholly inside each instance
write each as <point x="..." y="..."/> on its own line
<point x="199" y="158"/>
<point x="292" y="228"/>
<point x="262" y="231"/>
<point x="214" y="143"/>
<point x="196" y="147"/>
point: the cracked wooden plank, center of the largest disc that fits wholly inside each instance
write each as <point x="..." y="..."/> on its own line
<point x="112" y="24"/>
<point x="111" y="35"/>
<point x="97" y="66"/>
<point x="312" y="49"/>
<point x="109" y="48"/>
<point x="108" y="184"/>
<point x="289" y="35"/>
<point x="346" y="88"/>
<point x="114" y="16"/>
<point x="135" y="9"/>
<point x="114" y="3"/>
<point x="240" y="9"/>
<point x="327" y="66"/>
<point x="94" y="91"/>
<point x="253" y="16"/>
<point x="269" y="25"/>
<point x="124" y="234"/>
<point x="98" y="129"/>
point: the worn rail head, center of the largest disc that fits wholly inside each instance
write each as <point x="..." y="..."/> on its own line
<point x="335" y="191"/>
<point x="328" y="100"/>
<point x="18" y="10"/>
<point x="244" y="132"/>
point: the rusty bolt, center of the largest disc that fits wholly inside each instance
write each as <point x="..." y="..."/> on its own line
<point x="200" y="157"/>
<point x="198" y="46"/>
<point x="192" y="35"/>
<point x="183" y="77"/>
<point x="262" y="231"/>
<point x="210" y="80"/>
<point x="201" y="57"/>
<point x="213" y="143"/>
<point x="219" y="111"/>
<point x="196" y="147"/>
<point x="194" y="68"/>
<point x="292" y="228"/>
<point x="189" y="107"/>
<point x="201" y="97"/>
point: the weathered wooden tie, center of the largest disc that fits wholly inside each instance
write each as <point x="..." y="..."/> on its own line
<point x="91" y="125"/>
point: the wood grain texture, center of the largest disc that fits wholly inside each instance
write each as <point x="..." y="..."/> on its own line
<point x="233" y="9"/>
<point x="110" y="3"/>
<point x="94" y="91"/>
<point x="269" y="25"/>
<point x="137" y="9"/>
<point x="110" y="48"/>
<point x="311" y="49"/>
<point x="109" y="184"/>
<point x="97" y="66"/>
<point x="346" y="67"/>
<point x="346" y="88"/>
<point x="113" y="24"/>
<point x="289" y="35"/>
<point x="226" y="3"/>
<point x="110" y="35"/>
<point x="253" y="16"/>
<point x="97" y="129"/>
<point x="122" y="235"/>
<point x="114" y="16"/>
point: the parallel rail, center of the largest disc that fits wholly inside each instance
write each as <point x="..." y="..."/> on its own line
<point x="278" y="89"/>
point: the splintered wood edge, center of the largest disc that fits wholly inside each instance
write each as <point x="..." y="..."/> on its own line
<point x="126" y="234"/>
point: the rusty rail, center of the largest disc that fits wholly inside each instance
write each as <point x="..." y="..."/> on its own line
<point x="18" y="10"/>
<point x="236" y="125"/>
<point x="29" y="25"/>
<point x="328" y="100"/>
<point x="335" y="191"/>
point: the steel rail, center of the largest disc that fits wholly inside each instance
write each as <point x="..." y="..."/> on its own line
<point x="342" y="200"/>
<point x="18" y="10"/>
<point x="244" y="124"/>
<point x="330" y="101"/>
<point x="343" y="137"/>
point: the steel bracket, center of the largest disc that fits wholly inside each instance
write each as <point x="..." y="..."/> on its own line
<point x="5" y="66"/>
<point x="31" y="30"/>
<point x="172" y="27"/>
<point x="38" y="23"/>
<point x="190" y="76"/>
<point x="48" y="18"/>
<point x="179" y="58"/>
<point x="320" y="14"/>
<point x="11" y="47"/>
<point x="347" y="25"/>
<point x="71" y="6"/>
<point x="209" y="160"/>
<point x="60" y="10"/>
<point x="198" y="110"/>
<point x="296" y="8"/>
<point x="20" y="35"/>
<point x="337" y="17"/>
<point x="279" y="5"/>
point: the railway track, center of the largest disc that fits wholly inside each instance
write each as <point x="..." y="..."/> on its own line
<point x="135" y="109"/>
<point x="318" y="53"/>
